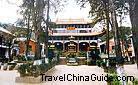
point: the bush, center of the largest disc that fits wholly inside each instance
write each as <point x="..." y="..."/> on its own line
<point x="101" y="63"/>
<point x="28" y="69"/>
<point x="43" y="68"/>
<point x="98" y="63"/>
<point x="21" y="58"/>
<point x="34" y="70"/>
<point x="112" y="79"/>
<point x="135" y="82"/>
<point x="22" y="70"/>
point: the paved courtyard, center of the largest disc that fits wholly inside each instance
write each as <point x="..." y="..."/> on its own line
<point x="8" y="77"/>
<point x="131" y="70"/>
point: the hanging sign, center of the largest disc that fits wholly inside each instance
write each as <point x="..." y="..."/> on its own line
<point x="70" y="28"/>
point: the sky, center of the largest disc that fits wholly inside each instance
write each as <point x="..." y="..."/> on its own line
<point x="73" y="10"/>
<point x="9" y="12"/>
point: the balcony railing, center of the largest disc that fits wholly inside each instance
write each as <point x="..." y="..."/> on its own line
<point x="77" y="41"/>
<point x="77" y="30"/>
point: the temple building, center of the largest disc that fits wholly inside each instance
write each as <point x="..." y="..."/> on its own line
<point x="83" y="35"/>
<point x="5" y="44"/>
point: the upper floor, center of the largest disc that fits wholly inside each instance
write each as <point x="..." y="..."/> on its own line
<point x="75" y="27"/>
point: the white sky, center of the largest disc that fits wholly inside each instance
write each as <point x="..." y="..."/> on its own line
<point x="9" y="14"/>
<point x="72" y="10"/>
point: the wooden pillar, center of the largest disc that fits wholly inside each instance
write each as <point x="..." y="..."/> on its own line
<point x="78" y="45"/>
<point x="63" y="44"/>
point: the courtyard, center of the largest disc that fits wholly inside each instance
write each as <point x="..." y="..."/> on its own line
<point x="8" y="77"/>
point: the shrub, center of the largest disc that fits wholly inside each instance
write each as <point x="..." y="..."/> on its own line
<point x="101" y="63"/>
<point x="34" y="70"/>
<point x="98" y="63"/>
<point x="43" y="68"/>
<point x="112" y="79"/>
<point x="22" y="70"/>
<point x="28" y="69"/>
<point x="135" y="82"/>
<point x="21" y="58"/>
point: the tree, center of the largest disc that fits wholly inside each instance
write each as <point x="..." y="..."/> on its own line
<point x="124" y="33"/>
<point x="133" y="4"/>
<point x="33" y="12"/>
<point x="27" y="10"/>
<point x="4" y="25"/>
<point x="108" y="10"/>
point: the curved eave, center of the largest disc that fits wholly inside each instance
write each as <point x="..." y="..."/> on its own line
<point x="5" y="31"/>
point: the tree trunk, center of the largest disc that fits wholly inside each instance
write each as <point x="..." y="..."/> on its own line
<point x="46" y="30"/>
<point x="134" y="19"/>
<point x="38" y="49"/>
<point x="28" y="36"/>
<point x="40" y="9"/>
<point x="115" y="29"/>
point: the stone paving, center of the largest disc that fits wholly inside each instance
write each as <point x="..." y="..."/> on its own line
<point x="8" y="77"/>
<point x="131" y="70"/>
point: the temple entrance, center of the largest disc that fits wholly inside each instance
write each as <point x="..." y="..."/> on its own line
<point x="71" y="47"/>
<point x="58" y="45"/>
<point x="83" y="46"/>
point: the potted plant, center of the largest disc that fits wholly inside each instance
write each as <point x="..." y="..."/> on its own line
<point x="11" y="67"/>
<point x="5" y="66"/>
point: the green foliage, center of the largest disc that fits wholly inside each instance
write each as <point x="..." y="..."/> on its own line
<point x="42" y="36"/>
<point x="98" y="7"/>
<point x="34" y="70"/>
<point x="21" y="58"/>
<point x="59" y="53"/>
<point x="98" y="63"/>
<point x="22" y="70"/>
<point x="82" y="54"/>
<point x="104" y="37"/>
<point x="28" y="69"/>
<point x="101" y="63"/>
<point x="43" y="68"/>
<point x="125" y="32"/>
<point x="112" y="79"/>
<point x="135" y="82"/>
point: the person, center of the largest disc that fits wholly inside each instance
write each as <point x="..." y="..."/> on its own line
<point x="121" y="73"/>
